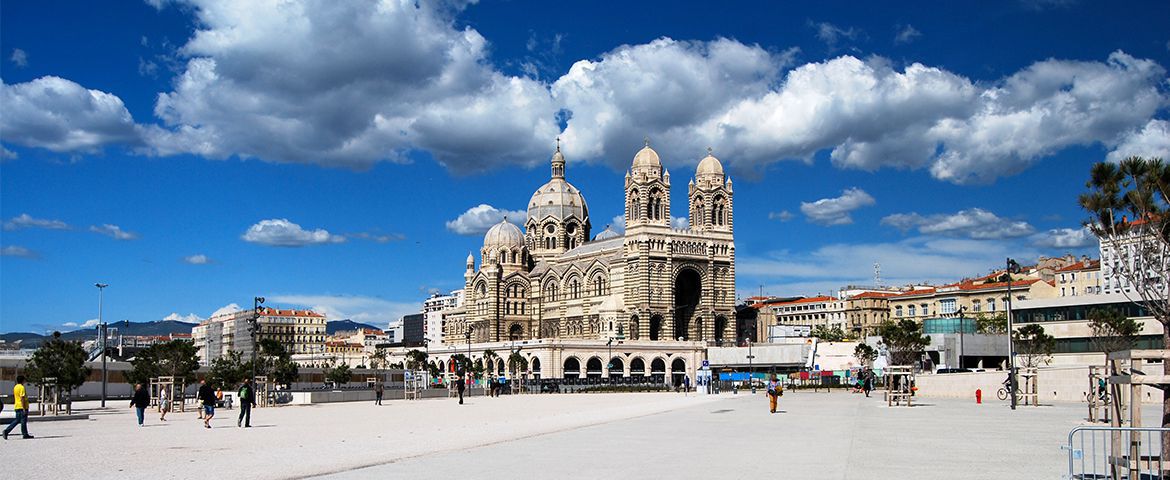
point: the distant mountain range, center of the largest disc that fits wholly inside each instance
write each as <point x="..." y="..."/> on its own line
<point x="343" y="325"/>
<point x="161" y="327"/>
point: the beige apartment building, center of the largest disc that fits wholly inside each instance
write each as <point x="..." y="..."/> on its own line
<point x="970" y="297"/>
<point x="1081" y="278"/>
<point x="302" y="332"/>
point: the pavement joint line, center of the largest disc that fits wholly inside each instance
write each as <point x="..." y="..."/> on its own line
<point x="482" y="445"/>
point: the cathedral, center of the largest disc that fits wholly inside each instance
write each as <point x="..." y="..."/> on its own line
<point x="657" y="290"/>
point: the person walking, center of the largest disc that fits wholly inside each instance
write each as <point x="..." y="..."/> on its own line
<point x="459" y="386"/>
<point x="775" y="390"/>
<point x="247" y="400"/>
<point x="207" y="396"/>
<point x="20" y="406"/>
<point x="379" y="389"/>
<point x="686" y="384"/>
<point x="868" y="382"/>
<point x="164" y="402"/>
<point x="140" y="401"/>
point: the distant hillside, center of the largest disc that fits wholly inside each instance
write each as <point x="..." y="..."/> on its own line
<point x="343" y="325"/>
<point x="125" y="328"/>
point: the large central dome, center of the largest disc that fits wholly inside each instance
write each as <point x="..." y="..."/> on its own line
<point x="558" y="199"/>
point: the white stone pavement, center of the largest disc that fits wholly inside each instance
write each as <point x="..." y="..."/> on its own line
<point x="612" y="436"/>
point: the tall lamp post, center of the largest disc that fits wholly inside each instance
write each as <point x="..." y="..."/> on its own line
<point x="254" y="329"/>
<point x="468" y="335"/>
<point x="1012" y="267"/>
<point x="102" y="331"/>
<point x="750" y="367"/>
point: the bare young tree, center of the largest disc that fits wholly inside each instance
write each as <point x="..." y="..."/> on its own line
<point x="1128" y="212"/>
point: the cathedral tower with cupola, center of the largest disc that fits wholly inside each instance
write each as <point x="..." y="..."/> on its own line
<point x="710" y="197"/>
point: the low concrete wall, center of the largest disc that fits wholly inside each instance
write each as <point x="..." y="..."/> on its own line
<point x="1055" y="384"/>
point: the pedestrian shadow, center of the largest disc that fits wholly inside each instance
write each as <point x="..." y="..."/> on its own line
<point x="44" y="437"/>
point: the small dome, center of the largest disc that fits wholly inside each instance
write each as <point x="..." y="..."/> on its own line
<point x="709" y="165"/>
<point x="647" y="157"/>
<point x="470" y="259"/>
<point x="606" y="234"/>
<point x="503" y="234"/>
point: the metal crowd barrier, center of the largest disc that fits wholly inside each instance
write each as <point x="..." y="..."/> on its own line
<point x="1115" y="453"/>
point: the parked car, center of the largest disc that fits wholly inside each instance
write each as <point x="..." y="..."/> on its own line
<point x="953" y="370"/>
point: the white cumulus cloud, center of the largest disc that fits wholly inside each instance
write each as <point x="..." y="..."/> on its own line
<point x="1065" y="238"/>
<point x="27" y="221"/>
<point x="19" y="58"/>
<point x="279" y="232"/>
<point x="229" y="308"/>
<point x="188" y="318"/>
<point x="197" y="259"/>
<point x="837" y="210"/>
<point x="783" y="215"/>
<point x="1151" y="141"/>
<point x="113" y="231"/>
<point x="478" y="219"/>
<point x="974" y="223"/>
<point x="62" y="116"/>
<point x="351" y="84"/>
<point x="906" y="34"/>
<point x="18" y="251"/>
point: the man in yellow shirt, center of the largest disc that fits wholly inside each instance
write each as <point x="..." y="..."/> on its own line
<point x="20" y="405"/>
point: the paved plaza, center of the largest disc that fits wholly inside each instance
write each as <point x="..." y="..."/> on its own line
<point x="817" y="435"/>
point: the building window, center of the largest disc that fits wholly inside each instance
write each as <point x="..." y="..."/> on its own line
<point x="911" y="310"/>
<point x="947" y="306"/>
<point x="991" y="304"/>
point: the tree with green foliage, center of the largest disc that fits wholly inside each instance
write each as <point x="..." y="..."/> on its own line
<point x="275" y="361"/>
<point x="1033" y="345"/>
<point x="517" y="363"/>
<point x="339" y="374"/>
<point x="1112" y="331"/>
<point x="489" y="360"/>
<point x="228" y="370"/>
<point x="865" y="354"/>
<point x="60" y="359"/>
<point x="826" y="334"/>
<point x="416" y="359"/>
<point x="176" y="358"/>
<point x="993" y="324"/>
<point x="903" y="340"/>
<point x="462" y="363"/>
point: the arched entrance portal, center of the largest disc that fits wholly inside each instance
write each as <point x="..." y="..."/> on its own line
<point x="616" y="368"/>
<point x="658" y="370"/>
<point x="515" y="332"/>
<point x="593" y="368"/>
<point x="535" y="367"/>
<point x="572" y="368"/>
<point x="637" y="368"/>
<point x="655" y="326"/>
<point x="687" y="290"/>
<point x="678" y="368"/>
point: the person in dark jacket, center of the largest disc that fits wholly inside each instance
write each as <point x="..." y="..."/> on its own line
<point x="460" y="386"/>
<point x="247" y="400"/>
<point x="207" y="396"/>
<point x="379" y="390"/>
<point x="140" y="401"/>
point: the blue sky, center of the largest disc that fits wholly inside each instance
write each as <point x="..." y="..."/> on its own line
<point x="345" y="156"/>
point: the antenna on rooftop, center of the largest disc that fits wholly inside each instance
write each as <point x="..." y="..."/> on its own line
<point x="877" y="274"/>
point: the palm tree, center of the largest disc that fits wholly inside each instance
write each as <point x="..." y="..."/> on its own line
<point x="489" y="359"/>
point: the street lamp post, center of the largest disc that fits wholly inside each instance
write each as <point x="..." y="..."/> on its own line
<point x="609" y="362"/>
<point x="750" y="367"/>
<point x="255" y="330"/>
<point x="467" y="371"/>
<point x="962" y="327"/>
<point x="1012" y="267"/>
<point x="102" y="331"/>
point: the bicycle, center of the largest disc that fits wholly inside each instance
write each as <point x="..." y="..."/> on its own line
<point x="1103" y="398"/>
